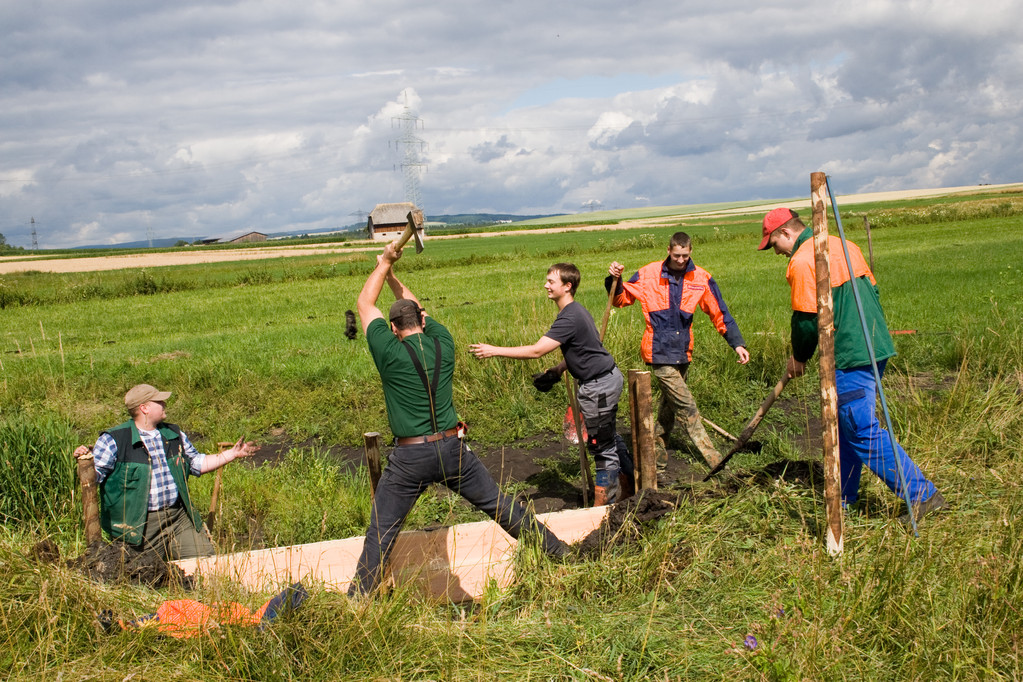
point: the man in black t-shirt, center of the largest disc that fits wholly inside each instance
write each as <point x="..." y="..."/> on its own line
<point x="600" y="381"/>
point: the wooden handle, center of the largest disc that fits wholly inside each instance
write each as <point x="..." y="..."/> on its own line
<point x="753" y="424"/>
<point x="607" y="308"/>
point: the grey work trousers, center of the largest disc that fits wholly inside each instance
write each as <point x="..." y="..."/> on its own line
<point x="598" y="403"/>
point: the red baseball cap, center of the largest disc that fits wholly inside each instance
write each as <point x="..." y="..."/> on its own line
<point x="773" y="220"/>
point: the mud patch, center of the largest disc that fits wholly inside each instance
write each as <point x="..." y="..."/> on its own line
<point x="626" y="521"/>
<point x="118" y="562"/>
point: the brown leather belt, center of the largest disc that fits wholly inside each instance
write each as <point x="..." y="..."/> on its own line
<point x="432" y="438"/>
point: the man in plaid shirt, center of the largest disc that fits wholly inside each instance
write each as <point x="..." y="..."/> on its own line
<point x="142" y="468"/>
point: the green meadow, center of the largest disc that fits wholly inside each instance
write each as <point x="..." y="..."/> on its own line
<point x="257" y="349"/>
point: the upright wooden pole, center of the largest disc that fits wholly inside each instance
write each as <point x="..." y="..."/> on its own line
<point x="584" y="460"/>
<point x="870" y="242"/>
<point x="826" y="346"/>
<point x="642" y="419"/>
<point x="90" y="498"/>
<point x="218" y="482"/>
<point x="373" y="459"/>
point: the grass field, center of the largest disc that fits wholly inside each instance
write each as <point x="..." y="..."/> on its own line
<point x="257" y="348"/>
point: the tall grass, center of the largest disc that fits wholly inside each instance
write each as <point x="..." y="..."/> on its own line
<point x="37" y="479"/>
<point x="741" y="557"/>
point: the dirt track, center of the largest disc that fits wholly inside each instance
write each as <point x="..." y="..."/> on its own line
<point x="23" y="263"/>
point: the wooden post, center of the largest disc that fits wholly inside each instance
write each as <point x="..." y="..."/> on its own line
<point x="90" y="498"/>
<point x="584" y="460"/>
<point x="870" y="242"/>
<point x="372" y="439"/>
<point x="642" y="419"/>
<point x="826" y="345"/>
<point x="211" y="517"/>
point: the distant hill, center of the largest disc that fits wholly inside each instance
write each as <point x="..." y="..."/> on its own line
<point x="453" y="219"/>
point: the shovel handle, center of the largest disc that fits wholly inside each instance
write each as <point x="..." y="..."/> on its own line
<point x="607" y="308"/>
<point x="752" y="426"/>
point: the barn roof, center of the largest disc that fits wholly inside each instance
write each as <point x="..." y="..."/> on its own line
<point x="391" y="214"/>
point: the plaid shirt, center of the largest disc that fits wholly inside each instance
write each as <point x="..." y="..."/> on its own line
<point x="162" y="491"/>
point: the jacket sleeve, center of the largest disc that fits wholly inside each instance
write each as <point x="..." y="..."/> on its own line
<point x="713" y="303"/>
<point x="804" y="335"/>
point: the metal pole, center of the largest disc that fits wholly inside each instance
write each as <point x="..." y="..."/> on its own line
<point x="873" y="361"/>
<point x="826" y="344"/>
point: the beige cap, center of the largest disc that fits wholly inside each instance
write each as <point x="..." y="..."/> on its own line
<point x="143" y="393"/>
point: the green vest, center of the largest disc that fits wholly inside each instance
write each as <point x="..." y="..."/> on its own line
<point x="124" y="493"/>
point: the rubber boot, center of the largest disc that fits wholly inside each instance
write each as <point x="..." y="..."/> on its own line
<point x="605" y="490"/>
<point x="702" y="440"/>
<point x="626" y="486"/>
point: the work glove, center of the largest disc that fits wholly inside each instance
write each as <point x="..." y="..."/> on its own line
<point x="544" y="381"/>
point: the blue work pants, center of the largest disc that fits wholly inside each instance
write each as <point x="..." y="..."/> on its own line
<point x="862" y="441"/>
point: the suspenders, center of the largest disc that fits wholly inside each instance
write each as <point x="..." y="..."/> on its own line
<point x="431" y="387"/>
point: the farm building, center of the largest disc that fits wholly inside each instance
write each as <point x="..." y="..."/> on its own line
<point x="388" y="221"/>
<point x="249" y="237"/>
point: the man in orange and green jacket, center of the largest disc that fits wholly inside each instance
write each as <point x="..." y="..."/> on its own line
<point x="669" y="292"/>
<point x="860" y="436"/>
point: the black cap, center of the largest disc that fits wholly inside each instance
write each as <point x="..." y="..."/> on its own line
<point x="401" y="307"/>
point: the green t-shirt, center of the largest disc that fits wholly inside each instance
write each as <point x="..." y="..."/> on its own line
<point x="407" y="399"/>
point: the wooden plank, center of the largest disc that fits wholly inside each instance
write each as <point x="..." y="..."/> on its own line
<point x="455" y="563"/>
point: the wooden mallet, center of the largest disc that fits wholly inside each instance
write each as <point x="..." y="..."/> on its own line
<point x="413" y="230"/>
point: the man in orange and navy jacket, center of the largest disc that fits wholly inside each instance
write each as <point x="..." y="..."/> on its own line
<point x="669" y="292"/>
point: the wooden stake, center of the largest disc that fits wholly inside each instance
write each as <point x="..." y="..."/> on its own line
<point x="870" y="242"/>
<point x="90" y="498"/>
<point x="584" y="460"/>
<point x="642" y="419"/>
<point x="217" y="483"/>
<point x="826" y="346"/>
<point x="372" y="440"/>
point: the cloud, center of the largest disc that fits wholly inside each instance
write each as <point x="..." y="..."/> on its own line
<point x="211" y="118"/>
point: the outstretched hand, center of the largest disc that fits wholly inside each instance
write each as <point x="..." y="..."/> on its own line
<point x="482" y="350"/>
<point x="743" y="355"/>
<point x="243" y="449"/>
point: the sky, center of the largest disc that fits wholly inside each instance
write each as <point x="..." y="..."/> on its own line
<point x="121" y="118"/>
